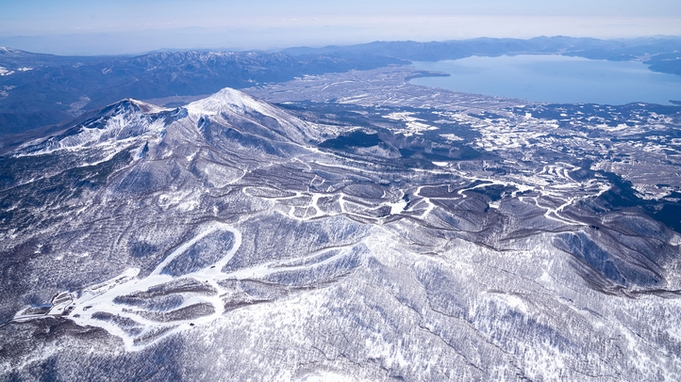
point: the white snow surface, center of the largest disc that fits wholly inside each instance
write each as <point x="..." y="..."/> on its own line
<point x="117" y="131"/>
<point x="230" y="102"/>
<point x="101" y="298"/>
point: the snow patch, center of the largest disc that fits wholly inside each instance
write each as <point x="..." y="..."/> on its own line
<point x="451" y="137"/>
<point x="398" y="207"/>
<point x="415" y="126"/>
<point x="5" y="72"/>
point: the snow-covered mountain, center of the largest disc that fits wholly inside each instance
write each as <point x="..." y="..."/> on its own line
<point x="231" y="239"/>
<point x="235" y="113"/>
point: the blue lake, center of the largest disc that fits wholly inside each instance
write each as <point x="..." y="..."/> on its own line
<point x="553" y="78"/>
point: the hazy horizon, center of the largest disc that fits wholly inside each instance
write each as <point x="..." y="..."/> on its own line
<point x="27" y="44"/>
<point x="75" y="27"/>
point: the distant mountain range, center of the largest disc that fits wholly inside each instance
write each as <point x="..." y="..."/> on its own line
<point x="40" y="90"/>
<point x="662" y="54"/>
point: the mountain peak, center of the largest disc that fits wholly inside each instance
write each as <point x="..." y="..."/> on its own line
<point x="228" y="99"/>
<point x="232" y="107"/>
<point x="129" y="105"/>
<point x="118" y="121"/>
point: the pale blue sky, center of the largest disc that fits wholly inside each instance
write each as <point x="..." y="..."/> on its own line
<point x="131" y="26"/>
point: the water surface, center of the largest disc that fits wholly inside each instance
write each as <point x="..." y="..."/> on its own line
<point x="553" y="78"/>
